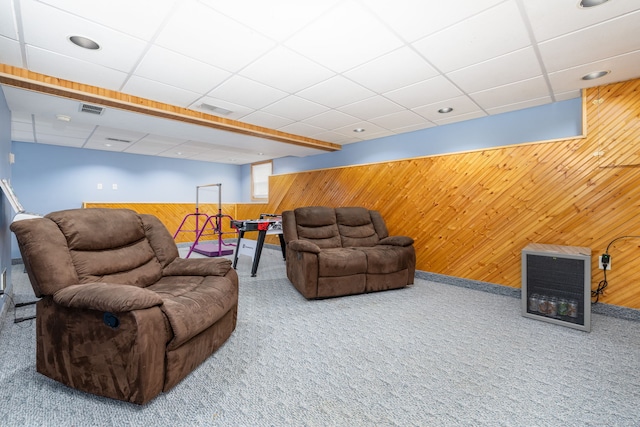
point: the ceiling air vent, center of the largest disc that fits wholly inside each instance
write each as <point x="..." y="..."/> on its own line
<point x="91" y="109"/>
<point x="217" y="110"/>
<point x="118" y="140"/>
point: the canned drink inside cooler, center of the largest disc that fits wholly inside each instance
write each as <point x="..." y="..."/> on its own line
<point x="573" y="308"/>
<point x="552" y="306"/>
<point x="533" y="302"/>
<point x="543" y="304"/>
<point x="563" y="307"/>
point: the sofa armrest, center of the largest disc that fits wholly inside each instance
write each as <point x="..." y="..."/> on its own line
<point x="197" y="267"/>
<point x="110" y="297"/>
<point x="396" y="241"/>
<point x="304" y="246"/>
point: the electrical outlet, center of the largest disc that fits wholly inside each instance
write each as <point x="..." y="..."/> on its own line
<point x="601" y="265"/>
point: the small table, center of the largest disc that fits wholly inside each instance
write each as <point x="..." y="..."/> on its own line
<point x="270" y="224"/>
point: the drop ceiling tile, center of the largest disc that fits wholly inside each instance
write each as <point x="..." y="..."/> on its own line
<point x="462" y="105"/>
<point x="22" y="136"/>
<point x="203" y="34"/>
<point x="337" y="138"/>
<point x="300" y="128"/>
<point x="331" y="119"/>
<point x="424" y="125"/>
<point x="399" y="120"/>
<point x="343" y="38"/>
<point x="65" y="141"/>
<point x="424" y="93"/>
<point x="260" y="118"/>
<point x="194" y="147"/>
<point x="414" y="19"/>
<point x="402" y="67"/>
<point x="21" y="126"/>
<point x="228" y="157"/>
<point x="147" y="149"/>
<point x="567" y="16"/>
<point x="522" y="64"/>
<point x="49" y="28"/>
<point x="20" y="116"/>
<point x="10" y="52"/>
<point x="153" y="144"/>
<point x="286" y="70"/>
<point x="240" y="90"/>
<point x="512" y="93"/>
<point x="492" y="33"/>
<point x="572" y="94"/>
<point x="56" y="127"/>
<point x="7" y="20"/>
<point x="602" y="41"/>
<point x="623" y="67"/>
<point x="520" y="105"/>
<point x="160" y="92"/>
<point x="76" y="70"/>
<point x="277" y="20"/>
<point x="461" y="118"/>
<point x="336" y="92"/>
<point x="168" y="67"/>
<point x="295" y="108"/>
<point x="371" y="107"/>
<point x="140" y="18"/>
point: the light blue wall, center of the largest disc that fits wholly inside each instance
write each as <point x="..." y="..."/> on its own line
<point x="6" y="213"/>
<point x="551" y="121"/>
<point x="48" y="178"/>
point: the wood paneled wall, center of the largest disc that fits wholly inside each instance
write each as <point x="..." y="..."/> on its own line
<point x="472" y="213"/>
<point x="172" y="214"/>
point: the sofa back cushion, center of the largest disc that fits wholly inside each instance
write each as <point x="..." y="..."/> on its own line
<point x="356" y="227"/>
<point x="318" y="225"/>
<point x="108" y="245"/>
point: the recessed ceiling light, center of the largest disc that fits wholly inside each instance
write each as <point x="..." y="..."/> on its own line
<point x="84" y="42"/>
<point x="591" y="3"/>
<point x="358" y="130"/>
<point x="107" y="145"/>
<point x="445" y="110"/>
<point x="595" y="75"/>
<point x="63" y="118"/>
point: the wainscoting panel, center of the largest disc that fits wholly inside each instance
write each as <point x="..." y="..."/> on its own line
<point x="172" y="214"/>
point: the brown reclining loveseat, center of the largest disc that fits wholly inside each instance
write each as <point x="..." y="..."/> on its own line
<point x="120" y="314"/>
<point x="343" y="251"/>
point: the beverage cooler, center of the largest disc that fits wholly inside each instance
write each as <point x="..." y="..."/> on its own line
<point x="556" y="284"/>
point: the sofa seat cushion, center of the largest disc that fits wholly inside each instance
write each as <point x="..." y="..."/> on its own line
<point x="192" y="304"/>
<point x="336" y="262"/>
<point x="384" y="259"/>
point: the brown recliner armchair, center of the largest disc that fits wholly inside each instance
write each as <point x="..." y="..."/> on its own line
<point x="120" y="314"/>
<point x="344" y="251"/>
